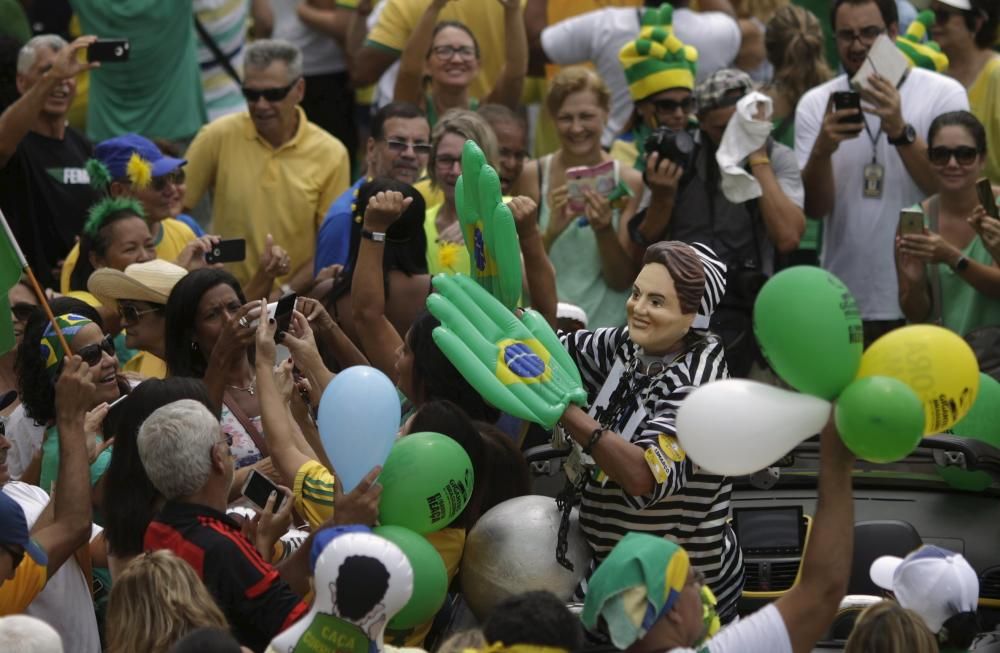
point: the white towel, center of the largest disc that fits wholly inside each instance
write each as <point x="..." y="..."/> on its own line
<point x="744" y="134"/>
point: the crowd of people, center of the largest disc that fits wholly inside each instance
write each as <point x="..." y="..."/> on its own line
<point x="660" y="163"/>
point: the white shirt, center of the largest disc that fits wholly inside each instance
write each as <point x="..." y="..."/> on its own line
<point x="859" y="233"/>
<point x="65" y="603"/>
<point x="762" y="632"/>
<point x="320" y="53"/>
<point x="25" y="441"/>
<point x="599" y="36"/>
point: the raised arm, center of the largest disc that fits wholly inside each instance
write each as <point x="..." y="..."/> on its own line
<point x="809" y="607"/>
<point x="70" y="528"/>
<point x="511" y="82"/>
<point x="914" y="290"/>
<point x="379" y="338"/>
<point x="539" y="272"/>
<point x="263" y="19"/>
<point x="817" y="174"/>
<point x="325" y="16"/>
<point x="20" y="116"/>
<point x="329" y="335"/>
<point x="410" y="79"/>
<point x="783" y="219"/>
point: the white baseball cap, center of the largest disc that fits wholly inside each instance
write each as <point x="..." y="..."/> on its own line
<point x="935" y="583"/>
<point x="958" y="4"/>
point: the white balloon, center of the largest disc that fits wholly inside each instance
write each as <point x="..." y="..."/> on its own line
<point x="734" y="426"/>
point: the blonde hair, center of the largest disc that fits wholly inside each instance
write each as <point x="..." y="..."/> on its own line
<point x="795" y="47"/>
<point x="762" y="10"/>
<point x="157" y="600"/>
<point x="573" y="80"/>
<point x="887" y="627"/>
<point x="470" y="126"/>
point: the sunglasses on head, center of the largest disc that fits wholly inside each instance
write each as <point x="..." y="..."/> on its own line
<point x="269" y="94"/>
<point x="964" y="155"/>
<point x="671" y="106"/>
<point x="130" y="313"/>
<point x="92" y="354"/>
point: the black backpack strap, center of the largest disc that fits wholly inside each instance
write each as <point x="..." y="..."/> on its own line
<point x="220" y="58"/>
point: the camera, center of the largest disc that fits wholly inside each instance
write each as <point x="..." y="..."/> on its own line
<point x="677" y="146"/>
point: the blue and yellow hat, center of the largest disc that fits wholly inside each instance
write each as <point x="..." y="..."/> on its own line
<point x="658" y="60"/>
<point x="639" y="581"/>
<point x="52" y="350"/>
<point x="922" y="54"/>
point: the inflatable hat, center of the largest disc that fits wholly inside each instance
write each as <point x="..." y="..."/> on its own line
<point x="658" y="60"/>
<point x="922" y="54"/>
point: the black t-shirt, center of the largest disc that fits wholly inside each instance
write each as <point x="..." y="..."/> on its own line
<point x="45" y="194"/>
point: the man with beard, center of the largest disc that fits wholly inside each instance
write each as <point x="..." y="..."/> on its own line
<point x="397" y="148"/>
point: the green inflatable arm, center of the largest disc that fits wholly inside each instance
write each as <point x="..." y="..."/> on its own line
<point x="519" y="366"/>
<point x="488" y="228"/>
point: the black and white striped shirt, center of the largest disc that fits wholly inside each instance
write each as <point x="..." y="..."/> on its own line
<point x="688" y="505"/>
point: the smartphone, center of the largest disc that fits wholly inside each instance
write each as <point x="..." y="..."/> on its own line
<point x="985" y="191"/>
<point x="259" y="487"/>
<point x="848" y="100"/>
<point x="108" y="50"/>
<point x="911" y="221"/>
<point x="283" y="312"/>
<point x="229" y="250"/>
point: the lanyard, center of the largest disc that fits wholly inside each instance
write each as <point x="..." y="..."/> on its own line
<point x="873" y="139"/>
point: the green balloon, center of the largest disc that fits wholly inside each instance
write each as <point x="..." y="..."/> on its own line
<point x="427" y="481"/>
<point x="809" y="329"/>
<point x="880" y="419"/>
<point x="982" y="422"/>
<point x="430" y="578"/>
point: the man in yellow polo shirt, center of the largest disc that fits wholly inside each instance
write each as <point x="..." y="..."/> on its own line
<point x="270" y="170"/>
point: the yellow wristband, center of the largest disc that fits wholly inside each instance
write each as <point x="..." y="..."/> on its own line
<point x="759" y="160"/>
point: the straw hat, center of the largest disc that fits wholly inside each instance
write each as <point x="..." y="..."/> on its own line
<point x="150" y="282"/>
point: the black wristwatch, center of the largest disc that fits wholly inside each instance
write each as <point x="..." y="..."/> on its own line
<point x="908" y="137"/>
<point x="633" y="230"/>
<point x="961" y="264"/>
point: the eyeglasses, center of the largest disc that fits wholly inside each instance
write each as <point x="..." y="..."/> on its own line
<point x="176" y="177"/>
<point x="964" y="155"/>
<point x="269" y="94"/>
<point x="447" y="162"/>
<point x="92" y="354"/>
<point x="15" y="552"/>
<point x="130" y="314"/>
<point x="227" y="439"/>
<point x="420" y="149"/>
<point x="446" y="52"/>
<point x="671" y="106"/>
<point x="866" y="36"/>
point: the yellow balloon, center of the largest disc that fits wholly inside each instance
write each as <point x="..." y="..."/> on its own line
<point x="936" y="363"/>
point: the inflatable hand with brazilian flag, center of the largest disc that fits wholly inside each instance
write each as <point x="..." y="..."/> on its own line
<point x="519" y="366"/>
<point x="488" y="228"/>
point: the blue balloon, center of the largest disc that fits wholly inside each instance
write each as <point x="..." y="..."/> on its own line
<point x="358" y="421"/>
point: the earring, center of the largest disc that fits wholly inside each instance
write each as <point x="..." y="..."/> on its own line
<point x="194" y="346"/>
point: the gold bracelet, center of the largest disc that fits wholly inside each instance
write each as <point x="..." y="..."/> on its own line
<point x="759" y="160"/>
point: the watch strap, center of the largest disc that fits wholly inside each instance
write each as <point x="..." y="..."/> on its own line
<point x="907" y="137"/>
<point x="375" y="236"/>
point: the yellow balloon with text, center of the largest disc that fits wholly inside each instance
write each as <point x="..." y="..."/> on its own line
<point x="937" y="364"/>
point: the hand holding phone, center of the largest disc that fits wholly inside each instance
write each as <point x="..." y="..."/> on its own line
<point x="848" y="100"/>
<point x="984" y="189"/>
<point x="283" y="314"/>
<point x="229" y="250"/>
<point x="911" y="221"/>
<point x="109" y="50"/>
<point x="259" y="487"/>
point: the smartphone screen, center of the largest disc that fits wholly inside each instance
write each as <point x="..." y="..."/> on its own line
<point x="108" y="50"/>
<point x="227" y="251"/>
<point x="911" y="221"/>
<point x="283" y="312"/>
<point x="848" y="100"/>
<point x="985" y="191"/>
<point x="259" y="487"/>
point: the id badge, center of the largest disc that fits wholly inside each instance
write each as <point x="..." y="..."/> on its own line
<point x="874" y="179"/>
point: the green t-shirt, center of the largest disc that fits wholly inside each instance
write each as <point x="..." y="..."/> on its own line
<point x="157" y="92"/>
<point x="13" y="22"/>
<point x="50" y="461"/>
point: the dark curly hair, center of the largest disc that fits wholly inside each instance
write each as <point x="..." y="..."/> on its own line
<point x="36" y="388"/>
<point x="130" y="500"/>
<point x="183" y="357"/>
<point x="534" y="618"/>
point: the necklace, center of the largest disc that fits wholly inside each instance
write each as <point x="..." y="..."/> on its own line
<point x="248" y="389"/>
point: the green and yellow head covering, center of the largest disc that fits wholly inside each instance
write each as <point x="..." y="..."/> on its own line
<point x="658" y="60"/>
<point x="922" y="54"/>
<point x="52" y="350"/>
<point x="100" y="212"/>
<point x="639" y="581"/>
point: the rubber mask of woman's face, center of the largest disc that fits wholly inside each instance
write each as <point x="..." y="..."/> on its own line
<point x="656" y="321"/>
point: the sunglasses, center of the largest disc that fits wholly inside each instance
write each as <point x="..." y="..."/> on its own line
<point x="16" y="553"/>
<point x="420" y="149"/>
<point x="23" y="311"/>
<point x="130" y="314"/>
<point x="866" y="36"/>
<point x="269" y="94"/>
<point x="92" y="354"/>
<point x="176" y="177"/>
<point x="964" y="155"/>
<point x="671" y="106"/>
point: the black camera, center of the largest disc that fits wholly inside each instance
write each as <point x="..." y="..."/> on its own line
<point x="677" y="146"/>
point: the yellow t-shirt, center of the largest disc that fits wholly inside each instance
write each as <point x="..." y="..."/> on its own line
<point x="484" y="19"/>
<point x="444" y="257"/>
<point x="261" y="190"/>
<point x="984" y="102"/>
<point x="28" y="581"/>
<point x="146" y="365"/>
<point x="174" y="236"/>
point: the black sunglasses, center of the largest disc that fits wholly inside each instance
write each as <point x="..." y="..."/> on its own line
<point x="92" y="354"/>
<point x="269" y="94"/>
<point x="130" y="314"/>
<point x="23" y="311"/>
<point x="175" y="177"/>
<point x="964" y="155"/>
<point x="671" y="106"/>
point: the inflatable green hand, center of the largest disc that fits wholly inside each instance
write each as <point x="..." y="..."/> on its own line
<point x="519" y="366"/>
<point x="488" y="228"/>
